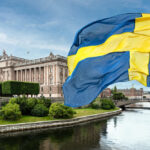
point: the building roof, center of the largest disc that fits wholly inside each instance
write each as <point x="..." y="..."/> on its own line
<point x="22" y="61"/>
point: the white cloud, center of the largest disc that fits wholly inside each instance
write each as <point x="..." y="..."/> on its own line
<point x="3" y="36"/>
<point x="32" y="44"/>
<point x="52" y="47"/>
<point x="4" y="39"/>
<point x="44" y="25"/>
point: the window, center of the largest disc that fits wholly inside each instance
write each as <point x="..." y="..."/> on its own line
<point x="51" y="80"/>
<point x="41" y="89"/>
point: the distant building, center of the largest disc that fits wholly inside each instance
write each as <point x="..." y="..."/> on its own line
<point x="132" y="93"/>
<point x="50" y="72"/>
<point x="105" y="93"/>
<point x="146" y="95"/>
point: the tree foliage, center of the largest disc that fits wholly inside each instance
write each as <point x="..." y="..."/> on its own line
<point x="107" y="104"/>
<point x="119" y="96"/>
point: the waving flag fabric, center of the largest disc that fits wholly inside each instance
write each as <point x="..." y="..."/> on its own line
<point x="107" y="51"/>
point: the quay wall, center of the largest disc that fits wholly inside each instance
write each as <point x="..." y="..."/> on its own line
<point x="57" y="123"/>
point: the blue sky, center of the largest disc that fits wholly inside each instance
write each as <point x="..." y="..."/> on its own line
<point x="41" y="26"/>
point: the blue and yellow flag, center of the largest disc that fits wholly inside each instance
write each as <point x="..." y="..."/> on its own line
<point x="107" y="51"/>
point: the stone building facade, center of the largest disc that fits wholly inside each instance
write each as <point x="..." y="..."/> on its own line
<point x="132" y="93"/>
<point x="105" y="93"/>
<point x="50" y="72"/>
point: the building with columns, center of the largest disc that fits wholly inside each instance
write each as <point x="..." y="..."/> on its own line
<point x="50" y="72"/>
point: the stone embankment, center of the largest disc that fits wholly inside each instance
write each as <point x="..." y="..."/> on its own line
<point x="4" y="99"/>
<point x="56" y="124"/>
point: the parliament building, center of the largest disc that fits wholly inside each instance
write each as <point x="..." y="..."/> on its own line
<point x="50" y="72"/>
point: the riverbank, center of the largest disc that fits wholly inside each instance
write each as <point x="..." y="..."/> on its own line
<point x="79" y="113"/>
<point x="59" y="123"/>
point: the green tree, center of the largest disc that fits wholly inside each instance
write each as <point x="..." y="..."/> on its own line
<point x="118" y="96"/>
<point x="107" y="104"/>
<point x="115" y="89"/>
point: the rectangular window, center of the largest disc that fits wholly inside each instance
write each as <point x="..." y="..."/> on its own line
<point x="41" y="89"/>
<point x="51" y="80"/>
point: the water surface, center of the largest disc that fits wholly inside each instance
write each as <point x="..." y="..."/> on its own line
<point x="127" y="131"/>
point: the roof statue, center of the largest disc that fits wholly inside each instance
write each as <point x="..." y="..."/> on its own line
<point x="51" y="55"/>
<point x="4" y="55"/>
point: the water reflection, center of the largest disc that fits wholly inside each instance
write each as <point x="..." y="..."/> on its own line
<point x="143" y="104"/>
<point x="127" y="131"/>
<point x="81" y="137"/>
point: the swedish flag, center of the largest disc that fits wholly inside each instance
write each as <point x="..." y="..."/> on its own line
<point x="107" y="51"/>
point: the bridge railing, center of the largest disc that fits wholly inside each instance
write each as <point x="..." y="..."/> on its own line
<point x="128" y="102"/>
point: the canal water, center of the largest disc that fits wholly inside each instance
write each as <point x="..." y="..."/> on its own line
<point x="127" y="131"/>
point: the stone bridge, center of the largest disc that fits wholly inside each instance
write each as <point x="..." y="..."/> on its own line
<point x="123" y="103"/>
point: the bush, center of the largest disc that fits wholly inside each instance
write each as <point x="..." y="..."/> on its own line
<point x="22" y="102"/>
<point x="30" y="104"/>
<point x="13" y="100"/>
<point x="26" y="104"/>
<point x="11" y="112"/>
<point x="96" y="104"/>
<point x="39" y="110"/>
<point x="58" y="110"/>
<point x="46" y="102"/>
<point x="19" y="88"/>
<point x="107" y="104"/>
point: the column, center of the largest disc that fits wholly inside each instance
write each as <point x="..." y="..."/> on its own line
<point x="44" y="75"/>
<point x="57" y="75"/>
<point x="25" y="75"/>
<point x="39" y="75"/>
<point x="54" y="74"/>
<point x="21" y="75"/>
<point x="63" y="74"/>
<point x="34" y="74"/>
<point x="16" y="75"/>
<point x="30" y="76"/>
